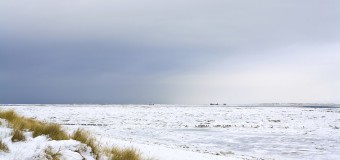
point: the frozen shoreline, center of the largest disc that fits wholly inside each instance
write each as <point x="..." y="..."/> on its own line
<point x="210" y="132"/>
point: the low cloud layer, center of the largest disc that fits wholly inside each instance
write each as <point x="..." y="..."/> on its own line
<point x="169" y="52"/>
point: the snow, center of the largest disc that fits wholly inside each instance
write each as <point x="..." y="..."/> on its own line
<point x="34" y="148"/>
<point x="204" y="132"/>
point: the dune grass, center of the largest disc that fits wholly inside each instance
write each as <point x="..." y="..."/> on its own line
<point x="84" y="136"/>
<point x="17" y="136"/>
<point x="114" y="153"/>
<point x="3" y="147"/>
<point x="50" y="155"/>
<point x="55" y="132"/>
<point x="38" y="128"/>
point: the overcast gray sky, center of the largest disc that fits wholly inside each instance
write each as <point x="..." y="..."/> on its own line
<point x="155" y="51"/>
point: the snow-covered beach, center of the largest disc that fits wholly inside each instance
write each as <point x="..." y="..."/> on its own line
<point x="204" y="132"/>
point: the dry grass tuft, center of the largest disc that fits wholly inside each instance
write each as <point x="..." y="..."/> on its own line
<point x="3" y="147"/>
<point x="17" y="136"/>
<point x="86" y="138"/>
<point x="53" y="131"/>
<point x="112" y="153"/>
<point x="50" y="155"/>
<point x="122" y="154"/>
<point x="8" y="115"/>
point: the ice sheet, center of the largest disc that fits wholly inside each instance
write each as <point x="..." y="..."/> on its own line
<point x="227" y="131"/>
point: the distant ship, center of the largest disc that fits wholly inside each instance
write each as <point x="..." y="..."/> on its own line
<point x="216" y="104"/>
